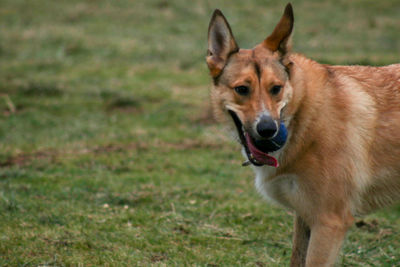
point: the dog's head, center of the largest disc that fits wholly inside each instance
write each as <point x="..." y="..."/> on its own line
<point x="251" y="86"/>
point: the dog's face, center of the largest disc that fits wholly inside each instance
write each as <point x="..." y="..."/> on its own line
<point x="251" y="86"/>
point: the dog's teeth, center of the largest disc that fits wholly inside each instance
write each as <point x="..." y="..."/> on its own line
<point x="246" y="163"/>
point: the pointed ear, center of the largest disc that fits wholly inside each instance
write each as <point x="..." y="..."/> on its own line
<point x="221" y="43"/>
<point x="279" y="40"/>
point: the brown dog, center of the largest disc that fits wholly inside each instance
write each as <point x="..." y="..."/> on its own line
<point x="341" y="156"/>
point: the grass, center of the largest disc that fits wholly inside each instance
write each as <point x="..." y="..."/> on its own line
<point x="111" y="157"/>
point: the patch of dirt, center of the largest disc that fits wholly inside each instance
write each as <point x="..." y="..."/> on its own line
<point x="371" y="226"/>
<point x="119" y="148"/>
<point x="190" y="144"/>
<point x="205" y="118"/>
<point x="158" y="257"/>
<point x="53" y="155"/>
<point x="23" y="158"/>
<point x="125" y="104"/>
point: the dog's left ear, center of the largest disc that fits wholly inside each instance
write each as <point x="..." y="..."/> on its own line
<point x="280" y="38"/>
<point x="221" y="43"/>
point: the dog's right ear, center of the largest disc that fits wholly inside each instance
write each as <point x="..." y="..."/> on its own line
<point x="221" y="43"/>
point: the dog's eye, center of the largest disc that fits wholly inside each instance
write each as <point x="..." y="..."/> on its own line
<point x="276" y="89"/>
<point x="242" y="90"/>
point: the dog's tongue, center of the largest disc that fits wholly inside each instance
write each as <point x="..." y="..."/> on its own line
<point x="259" y="155"/>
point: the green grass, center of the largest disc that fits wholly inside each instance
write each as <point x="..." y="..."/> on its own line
<point x="111" y="157"/>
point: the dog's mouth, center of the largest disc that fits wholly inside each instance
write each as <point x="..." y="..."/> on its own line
<point x="255" y="153"/>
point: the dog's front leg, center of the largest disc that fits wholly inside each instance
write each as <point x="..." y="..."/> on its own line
<point x="301" y="237"/>
<point x="326" y="240"/>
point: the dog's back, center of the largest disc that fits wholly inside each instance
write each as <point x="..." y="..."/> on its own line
<point x="382" y="84"/>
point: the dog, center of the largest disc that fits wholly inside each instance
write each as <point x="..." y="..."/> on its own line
<point x="340" y="156"/>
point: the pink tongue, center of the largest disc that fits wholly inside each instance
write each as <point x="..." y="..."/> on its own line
<point x="260" y="156"/>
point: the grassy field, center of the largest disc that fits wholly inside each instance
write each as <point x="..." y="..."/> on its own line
<point x="109" y="155"/>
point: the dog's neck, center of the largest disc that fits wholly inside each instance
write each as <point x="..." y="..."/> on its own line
<point x="302" y="111"/>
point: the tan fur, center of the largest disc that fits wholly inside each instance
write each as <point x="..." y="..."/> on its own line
<point x="343" y="152"/>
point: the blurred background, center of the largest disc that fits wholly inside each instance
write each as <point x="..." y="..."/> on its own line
<point x="109" y="154"/>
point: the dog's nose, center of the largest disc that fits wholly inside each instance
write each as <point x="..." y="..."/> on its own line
<point x="266" y="127"/>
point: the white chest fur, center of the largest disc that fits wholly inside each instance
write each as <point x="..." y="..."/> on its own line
<point x="282" y="190"/>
